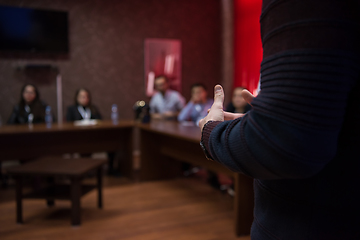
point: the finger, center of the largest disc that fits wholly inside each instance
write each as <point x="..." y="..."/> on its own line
<point x="247" y="96"/>
<point x="232" y="116"/>
<point x="201" y="124"/>
<point x="219" y="95"/>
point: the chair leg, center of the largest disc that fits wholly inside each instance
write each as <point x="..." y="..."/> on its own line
<point x="19" y="218"/>
<point x="99" y="187"/>
<point x="50" y="202"/>
<point x="75" y="201"/>
<point x="50" y="181"/>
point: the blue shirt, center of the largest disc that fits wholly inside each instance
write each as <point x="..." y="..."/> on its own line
<point x="171" y="102"/>
<point x="195" y="112"/>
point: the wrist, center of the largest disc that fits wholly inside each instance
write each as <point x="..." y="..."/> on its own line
<point x="204" y="144"/>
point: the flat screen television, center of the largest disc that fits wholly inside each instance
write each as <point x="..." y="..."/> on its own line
<point x="33" y="30"/>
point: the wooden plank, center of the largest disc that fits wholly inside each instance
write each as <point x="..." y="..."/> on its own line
<point x="178" y="209"/>
<point x="53" y="166"/>
<point x="162" y="142"/>
<point x="61" y="192"/>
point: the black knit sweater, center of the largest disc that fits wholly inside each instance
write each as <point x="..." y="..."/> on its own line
<point x="300" y="142"/>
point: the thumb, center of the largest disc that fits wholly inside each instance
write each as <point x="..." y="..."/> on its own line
<point x="218" y="95"/>
<point x="247" y="96"/>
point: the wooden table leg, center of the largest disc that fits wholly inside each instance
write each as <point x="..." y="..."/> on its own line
<point x="19" y="200"/>
<point x="243" y="204"/>
<point x="126" y="162"/>
<point x="75" y="201"/>
<point x="99" y="187"/>
<point x="50" y="202"/>
<point x="154" y="165"/>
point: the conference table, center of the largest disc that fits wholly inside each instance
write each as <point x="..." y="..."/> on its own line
<point x="38" y="140"/>
<point x="165" y="144"/>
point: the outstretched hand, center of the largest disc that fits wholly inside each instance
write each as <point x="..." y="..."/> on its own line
<point x="216" y="112"/>
<point x="247" y="96"/>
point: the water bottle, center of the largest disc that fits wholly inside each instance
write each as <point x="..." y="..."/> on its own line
<point x="48" y="116"/>
<point x="30" y="118"/>
<point x="114" y="114"/>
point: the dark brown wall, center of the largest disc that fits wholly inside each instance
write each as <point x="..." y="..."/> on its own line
<point x="107" y="50"/>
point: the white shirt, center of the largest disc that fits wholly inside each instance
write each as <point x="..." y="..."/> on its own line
<point x="171" y="102"/>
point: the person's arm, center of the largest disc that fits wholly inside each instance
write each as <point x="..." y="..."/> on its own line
<point x="185" y="114"/>
<point x="181" y="102"/>
<point x="266" y="146"/>
<point x="308" y="72"/>
<point x="169" y="115"/>
<point x="95" y="114"/>
<point x="153" y="111"/>
<point x="70" y="114"/>
<point x="14" y="115"/>
<point x="204" y="112"/>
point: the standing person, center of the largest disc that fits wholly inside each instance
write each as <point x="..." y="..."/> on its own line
<point x="238" y="104"/>
<point x="198" y="105"/>
<point x="300" y="141"/>
<point x="30" y="108"/>
<point x="166" y="103"/>
<point x="83" y="108"/>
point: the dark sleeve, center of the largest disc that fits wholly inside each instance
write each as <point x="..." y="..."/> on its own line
<point x="13" y="119"/>
<point x="309" y="69"/>
<point x="70" y="114"/>
<point x="247" y="108"/>
<point x="95" y="114"/>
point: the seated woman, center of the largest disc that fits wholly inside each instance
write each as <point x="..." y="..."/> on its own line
<point x="238" y="103"/>
<point x="83" y="109"/>
<point x="30" y="108"/>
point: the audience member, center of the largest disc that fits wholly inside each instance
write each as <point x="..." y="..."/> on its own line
<point x="83" y="108"/>
<point x="30" y="108"/>
<point x="198" y="105"/>
<point x="195" y="110"/>
<point x="238" y="103"/>
<point x="166" y="103"/>
<point x="300" y="140"/>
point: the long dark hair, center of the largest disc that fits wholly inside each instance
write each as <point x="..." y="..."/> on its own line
<point x="37" y="107"/>
<point x="22" y="100"/>
<point x="77" y="93"/>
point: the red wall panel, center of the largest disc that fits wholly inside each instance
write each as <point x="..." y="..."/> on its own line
<point x="247" y="43"/>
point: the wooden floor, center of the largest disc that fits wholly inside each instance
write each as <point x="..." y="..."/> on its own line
<point x="185" y="208"/>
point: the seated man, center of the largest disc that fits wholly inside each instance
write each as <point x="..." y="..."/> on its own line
<point x="195" y="110"/>
<point x="198" y="105"/>
<point x="166" y="103"/>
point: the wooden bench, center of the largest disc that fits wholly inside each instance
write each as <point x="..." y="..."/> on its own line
<point x="74" y="169"/>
